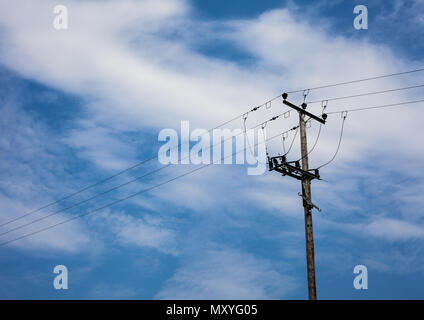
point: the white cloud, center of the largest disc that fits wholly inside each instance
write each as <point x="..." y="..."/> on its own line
<point x="227" y="274"/>
<point x="392" y="229"/>
<point x="89" y="141"/>
<point x="146" y="231"/>
<point x="71" y="237"/>
<point x="139" y="73"/>
<point x="31" y="173"/>
<point x="135" y="64"/>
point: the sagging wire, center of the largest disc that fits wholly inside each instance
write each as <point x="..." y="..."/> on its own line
<point x="245" y="133"/>
<point x="263" y="127"/>
<point x="294" y="138"/>
<point x="324" y="104"/>
<point x="305" y="95"/>
<point x="315" y="144"/>
<point x="343" y="115"/>
<point x="283" y="139"/>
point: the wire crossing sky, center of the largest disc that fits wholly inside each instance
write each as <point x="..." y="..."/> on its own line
<point x="218" y="126"/>
<point x="86" y="100"/>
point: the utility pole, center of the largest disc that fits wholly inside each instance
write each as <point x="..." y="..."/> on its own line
<point x="305" y="175"/>
<point x="306" y="194"/>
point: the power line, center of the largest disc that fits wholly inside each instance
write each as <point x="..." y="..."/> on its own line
<point x="130" y="181"/>
<point x="76" y="192"/>
<point x="83" y="201"/>
<point x="338" y="146"/>
<point x="220" y="125"/>
<point x="162" y="168"/>
<point x="367" y="94"/>
<point x="296" y="129"/>
<point x="125" y="198"/>
<point x="358" y="80"/>
<point x="127" y="169"/>
<point x="313" y="147"/>
<point x="344" y="115"/>
<point x="103" y="207"/>
<point x="378" y="107"/>
<point x="302" y="173"/>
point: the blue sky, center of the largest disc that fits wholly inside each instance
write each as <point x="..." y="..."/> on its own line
<point x="81" y="104"/>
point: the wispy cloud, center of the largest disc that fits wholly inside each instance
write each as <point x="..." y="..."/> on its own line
<point x="392" y="229"/>
<point x="146" y="231"/>
<point x="137" y="67"/>
<point x="227" y="274"/>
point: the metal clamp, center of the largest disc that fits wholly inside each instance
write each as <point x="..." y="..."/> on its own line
<point x="324" y="104"/>
<point x="305" y="94"/>
<point x="309" y="202"/>
<point x="308" y="124"/>
<point x="268" y="104"/>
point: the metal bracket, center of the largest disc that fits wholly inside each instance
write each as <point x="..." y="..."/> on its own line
<point x="309" y="202"/>
<point x="291" y="169"/>
<point x="287" y="103"/>
<point x="308" y="124"/>
<point x="268" y="103"/>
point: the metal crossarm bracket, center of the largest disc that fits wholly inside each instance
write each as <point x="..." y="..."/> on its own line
<point x="309" y="202"/>
<point x="303" y="111"/>
<point x="291" y="169"/>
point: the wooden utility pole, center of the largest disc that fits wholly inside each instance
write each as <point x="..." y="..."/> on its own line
<point x="306" y="194"/>
<point x="305" y="175"/>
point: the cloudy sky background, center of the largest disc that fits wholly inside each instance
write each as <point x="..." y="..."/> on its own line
<point x="82" y="104"/>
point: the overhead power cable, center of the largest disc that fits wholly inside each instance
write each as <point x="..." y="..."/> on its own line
<point x="84" y="201"/>
<point x="358" y="80"/>
<point x="378" y="107"/>
<point x="266" y="104"/>
<point x="366" y="94"/>
<point x="296" y="129"/>
<point x="313" y="147"/>
<point x="126" y="183"/>
<point x="125" y="198"/>
<point x="138" y="164"/>
<point x="338" y="146"/>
